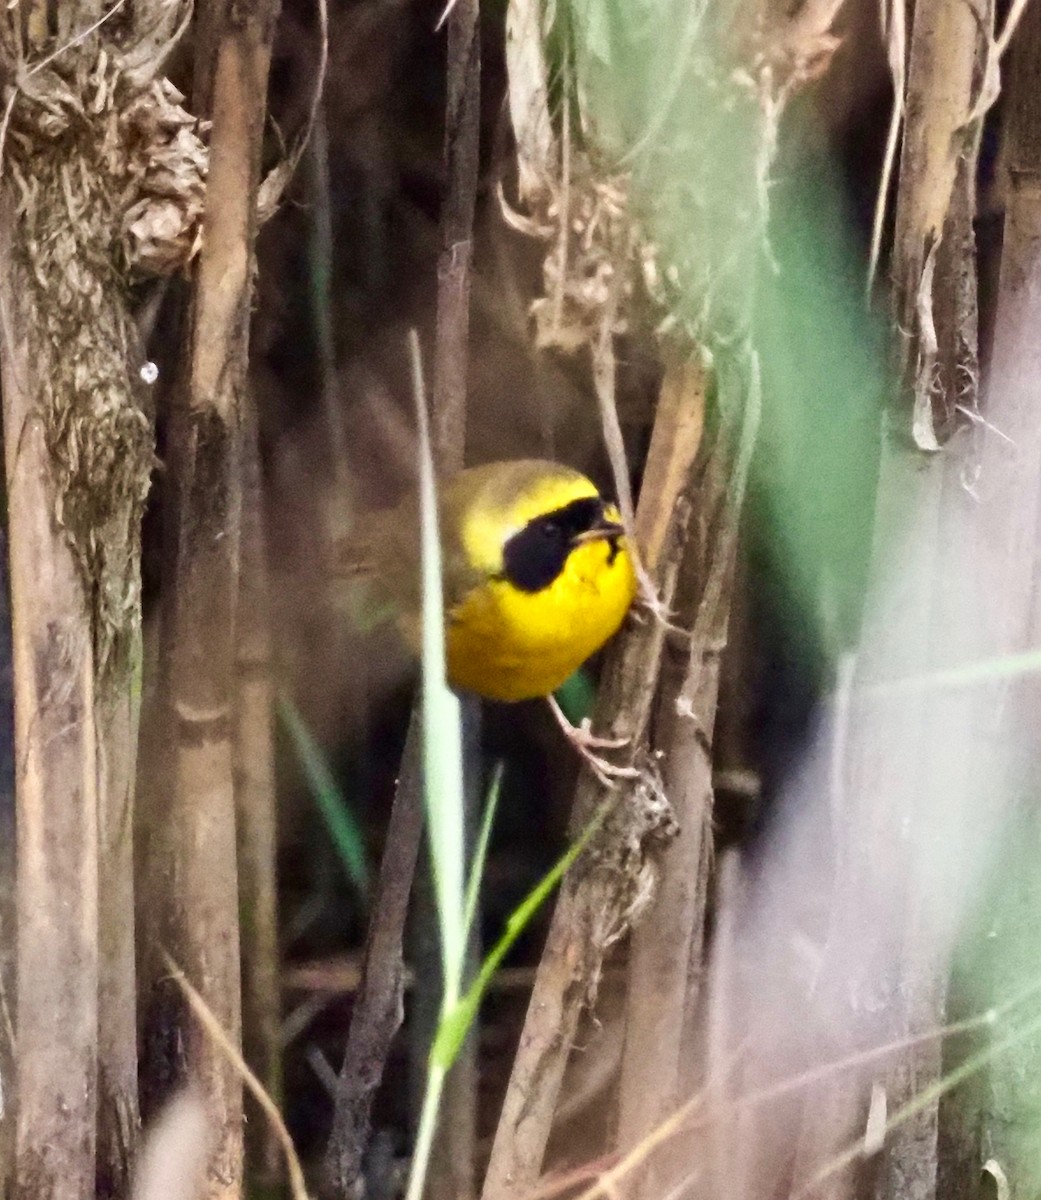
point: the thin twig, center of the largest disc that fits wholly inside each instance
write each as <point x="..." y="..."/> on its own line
<point x="377" y="1011"/>
<point x="461" y="151"/>
<point x="216" y="1032"/>
<point x="895" y="30"/>
<point x="277" y="179"/>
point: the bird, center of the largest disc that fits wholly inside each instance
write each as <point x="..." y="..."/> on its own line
<point x="537" y="576"/>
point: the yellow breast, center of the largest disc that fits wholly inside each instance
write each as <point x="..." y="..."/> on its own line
<point x="507" y="644"/>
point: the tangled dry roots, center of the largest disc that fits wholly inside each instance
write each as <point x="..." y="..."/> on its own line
<point x="597" y="247"/>
<point x="109" y="172"/>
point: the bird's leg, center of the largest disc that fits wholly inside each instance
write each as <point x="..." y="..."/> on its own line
<point x="587" y="743"/>
<point x="582" y="733"/>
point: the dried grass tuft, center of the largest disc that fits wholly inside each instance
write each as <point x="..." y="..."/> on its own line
<point x="586" y="216"/>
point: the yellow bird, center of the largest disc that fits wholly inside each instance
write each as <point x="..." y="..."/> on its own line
<point x="537" y="577"/>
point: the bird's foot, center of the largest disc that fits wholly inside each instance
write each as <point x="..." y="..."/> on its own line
<point x="650" y="604"/>
<point x="586" y="742"/>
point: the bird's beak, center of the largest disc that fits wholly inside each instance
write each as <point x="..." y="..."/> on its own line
<point x="602" y="531"/>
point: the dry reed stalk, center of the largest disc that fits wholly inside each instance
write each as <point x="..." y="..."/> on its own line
<point x="56" y="782"/>
<point x="964" y="577"/>
<point x="378" y="1008"/>
<point x="462" y="144"/>
<point x="117" y="715"/>
<point x="377" y="1012"/>
<point x="934" y="279"/>
<point x="194" y="896"/>
<point x="880" y="972"/>
<point x="255" y="813"/>
<point x="8" y="908"/>
<point x="590" y="279"/>
<point x="103" y="170"/>
<point x="933" y="270"/>
<point x="450" y="1175"/>
<point x="666" y="944"/>
<point x="597" y="900"/>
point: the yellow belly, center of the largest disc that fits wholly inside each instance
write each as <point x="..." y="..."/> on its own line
<point x="506" y="644"/>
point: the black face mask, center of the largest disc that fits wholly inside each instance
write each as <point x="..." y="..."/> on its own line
<point x="536" y="555"/>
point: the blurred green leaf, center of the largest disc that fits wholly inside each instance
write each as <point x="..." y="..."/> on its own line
<point x="339" y="820"/>
<point x="592" y="28"/>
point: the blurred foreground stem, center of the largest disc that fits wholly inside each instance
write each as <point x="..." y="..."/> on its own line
<point x="1011" y="944"/>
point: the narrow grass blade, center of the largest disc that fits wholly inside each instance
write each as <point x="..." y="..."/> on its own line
<point x="442" y="776"/>
<point x="456" y="1023"/>
<point x="339" y="820"/>
<point x="473" y="887"/>
<point x="442" y="741"/>
<point x="988" y="670"/>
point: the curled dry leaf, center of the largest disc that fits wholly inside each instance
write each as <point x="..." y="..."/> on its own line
<point x="166" y="172"/>
<point x="272" y="187"/>
<point x="146" y="148"/>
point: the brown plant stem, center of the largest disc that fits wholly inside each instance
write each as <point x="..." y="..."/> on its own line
<point x="195" y="865"/>
<point x="575" y="945"/>
<point x="934" y="276"/>
<point x="8" y="910"/>
<point x="117" y="716"/>
<point x="256" y="816"/>
<point x="378" y="1007"/>
<point x="667" y="941"/>
<point x="933" y="271"/>
<point x="377" y="1011"/>
<point x="95" y="477"/>
<point x="56" y="785"/>
<point x="462" y="146"/>
<point x="450" y="1175"/>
